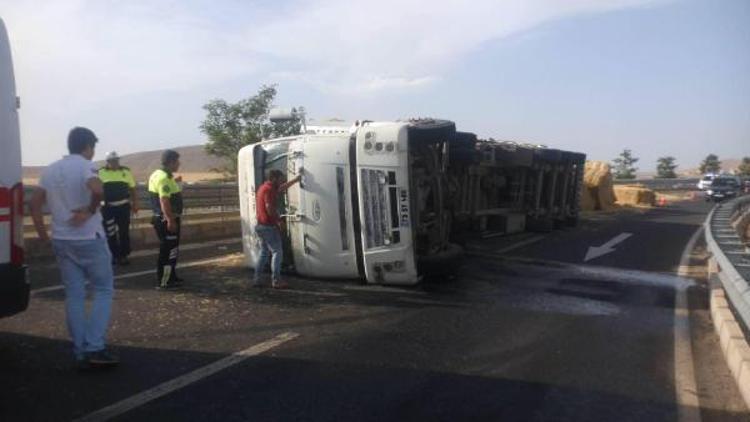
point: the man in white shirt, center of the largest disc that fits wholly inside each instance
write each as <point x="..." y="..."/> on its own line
<point x="72" y="191"/>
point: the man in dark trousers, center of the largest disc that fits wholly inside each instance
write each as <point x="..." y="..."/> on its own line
<point x="120" y="200"/>
<point x="166" y="201"/>
<point x="267" y="229"/>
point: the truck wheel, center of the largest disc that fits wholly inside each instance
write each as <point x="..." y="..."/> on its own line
<point x="430" y="131"/>
<point x="442" y="263"/>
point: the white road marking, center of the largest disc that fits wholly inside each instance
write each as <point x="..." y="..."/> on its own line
<point x="686" y="389"/>
<point x="383" y="289"/>
<point x="308" y="292"/>
<point x="519" y="244"/>
<point x="190" y="246"/>
<point x="151" y="271"/>
<point x="182" y="381"/>
<point x="420" y="301"/>
<point x="151" y="252"/>
<point x="597" y="251"/>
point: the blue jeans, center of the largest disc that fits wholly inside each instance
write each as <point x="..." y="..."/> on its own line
<point x="81" y="260"/>
<point x="270" y="243"/>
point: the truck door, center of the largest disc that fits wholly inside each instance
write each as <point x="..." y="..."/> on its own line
<point x="319" y="212"/>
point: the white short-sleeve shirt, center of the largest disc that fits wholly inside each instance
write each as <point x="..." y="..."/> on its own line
<point x="64" y="183"/>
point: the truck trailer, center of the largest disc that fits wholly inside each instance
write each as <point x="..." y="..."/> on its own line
<point x="390" y="202"/>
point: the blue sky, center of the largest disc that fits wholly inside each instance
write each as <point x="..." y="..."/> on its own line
<point x="661" y="77"/>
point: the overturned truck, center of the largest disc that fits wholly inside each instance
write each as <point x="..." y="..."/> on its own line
<point x="390" y="202"/>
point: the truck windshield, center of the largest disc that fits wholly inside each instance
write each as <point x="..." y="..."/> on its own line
<point x="272" y="156"/>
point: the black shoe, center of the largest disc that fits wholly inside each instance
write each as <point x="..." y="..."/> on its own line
<point x="101" y="359"/>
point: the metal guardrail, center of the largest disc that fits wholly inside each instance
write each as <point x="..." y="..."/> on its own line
<point x="731" y="255"/>
<point x="196" y="197"/>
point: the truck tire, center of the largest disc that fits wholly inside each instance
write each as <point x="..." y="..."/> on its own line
<point x="441" y="263"/>
<point x="430" y="131"/>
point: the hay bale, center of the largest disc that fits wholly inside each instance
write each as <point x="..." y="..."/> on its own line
<point x="588" y="201"/>
<point x="597" y="179"/>
<point x="634" y="195"/>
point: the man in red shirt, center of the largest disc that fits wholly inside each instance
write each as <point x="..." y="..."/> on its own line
<point x="267" y="229"/>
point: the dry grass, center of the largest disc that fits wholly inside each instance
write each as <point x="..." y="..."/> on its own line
<point x="200" y="176"/>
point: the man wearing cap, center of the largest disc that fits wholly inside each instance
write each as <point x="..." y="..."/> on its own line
<point x="120" y="200"/>
<point x="165" y="194"/>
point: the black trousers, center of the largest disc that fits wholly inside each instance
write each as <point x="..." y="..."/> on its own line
<point x="169" y="250"/>
<point x="117" y="227"/>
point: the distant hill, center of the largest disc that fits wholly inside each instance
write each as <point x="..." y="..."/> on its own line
<point x="193" y="158"/>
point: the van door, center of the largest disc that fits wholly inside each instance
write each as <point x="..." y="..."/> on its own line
<point x="14" y="282"/>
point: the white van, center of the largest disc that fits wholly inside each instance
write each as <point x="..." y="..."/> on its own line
<point x="14" y="286"/>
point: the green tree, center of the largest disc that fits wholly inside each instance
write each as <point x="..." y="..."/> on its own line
<point x="231" y="126"/>
<point x="744" y="168"/>
<point x="711" y="164"/>
<point x="624" y="165"/>
<point x="665" y="168"/>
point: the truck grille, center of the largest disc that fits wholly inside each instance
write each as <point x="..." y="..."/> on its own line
<point x="375" y="206"/>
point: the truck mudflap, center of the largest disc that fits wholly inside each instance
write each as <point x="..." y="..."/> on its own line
<point x="14" y="289"/>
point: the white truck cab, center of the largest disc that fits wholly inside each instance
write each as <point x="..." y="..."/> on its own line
<point x="14" y="286"/>
<point x="351" y="216"/>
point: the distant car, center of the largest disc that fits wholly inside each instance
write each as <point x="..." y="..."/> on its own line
<point x="722" y="188"/>
<point x="746" y="185"/>
<point x="705" y="181"/>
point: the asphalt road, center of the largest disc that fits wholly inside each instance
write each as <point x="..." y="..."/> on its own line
<point x="523" y="333"/>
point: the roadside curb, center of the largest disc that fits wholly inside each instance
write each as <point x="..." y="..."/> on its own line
<point x="734" y="345"/>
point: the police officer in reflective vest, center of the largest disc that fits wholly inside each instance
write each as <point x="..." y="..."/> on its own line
<point x="120" y="200"/>
<point x="166" y="201"/>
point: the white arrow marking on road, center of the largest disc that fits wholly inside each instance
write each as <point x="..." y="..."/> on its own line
<point x="597" y="251"/>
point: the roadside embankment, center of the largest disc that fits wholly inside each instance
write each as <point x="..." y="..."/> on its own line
<point x="195" y="228"/>
<point x="741" y="223"/>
